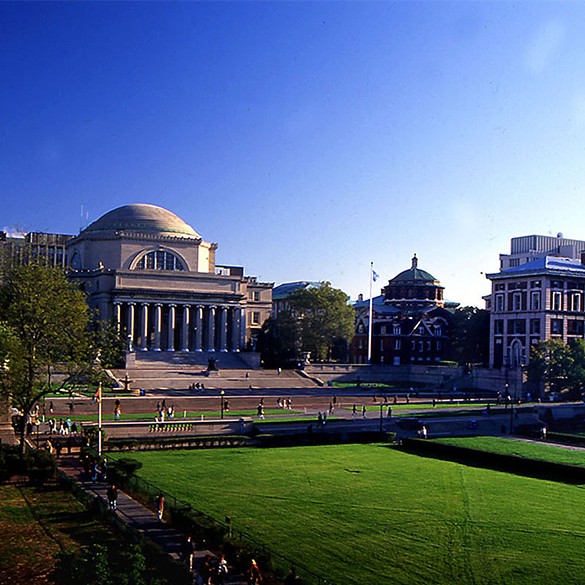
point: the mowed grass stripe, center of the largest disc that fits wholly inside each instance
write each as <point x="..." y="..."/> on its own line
<point x="371" y="514"/>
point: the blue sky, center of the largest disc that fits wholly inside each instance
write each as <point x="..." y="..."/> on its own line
<point x="306" y="138"/>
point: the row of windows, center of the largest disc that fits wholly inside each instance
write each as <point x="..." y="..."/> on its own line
<point x="517" y="301"/>
<point x="518" y="327"/>
<point x="160" y="260"/>
<point x="398" y="345"/>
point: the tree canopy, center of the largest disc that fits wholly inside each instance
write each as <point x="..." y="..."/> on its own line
<point x="319" y="321"/>
<point x="558" y="367"/>
<point x="43" y="322"/>
<point x="469" y="332"/>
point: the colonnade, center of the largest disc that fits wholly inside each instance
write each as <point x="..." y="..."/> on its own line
<point x="157" y="326"/>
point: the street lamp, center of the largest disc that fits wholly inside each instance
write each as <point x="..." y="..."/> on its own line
<point x="221" y="394"/>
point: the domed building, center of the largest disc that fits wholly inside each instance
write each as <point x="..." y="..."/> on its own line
<point x="151" y="272"/>
<point x="410" y="321"/>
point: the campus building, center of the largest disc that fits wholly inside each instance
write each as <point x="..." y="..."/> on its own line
<point x="410" y="321"/>
<point x="525" y="249"/>
<point x="534" y="301"/>
<point x="34" y="246"/>
<point x="151" y="272"/>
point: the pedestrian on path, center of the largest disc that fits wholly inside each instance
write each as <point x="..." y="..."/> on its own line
<point x="160" y="506"/>
<point x="222" y="571"/>
<point x="254" y="574"/>
<point x="112" y="497"/>
<point x="188" y="551"/>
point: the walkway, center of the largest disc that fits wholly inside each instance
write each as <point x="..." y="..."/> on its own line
<point x="137" y="516"/>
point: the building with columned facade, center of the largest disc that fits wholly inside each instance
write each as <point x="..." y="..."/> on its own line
<point x="145" y="268"/>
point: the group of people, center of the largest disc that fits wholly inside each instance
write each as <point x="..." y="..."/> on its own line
<point x="285" y="403"/>
<point x="214" y="571"/>
<point x="164" y="412"/>
<point x="197" y="386"/>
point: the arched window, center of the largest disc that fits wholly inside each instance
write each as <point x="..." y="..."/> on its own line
<point x="159" y="260"/>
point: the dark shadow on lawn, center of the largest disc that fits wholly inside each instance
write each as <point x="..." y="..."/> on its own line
<point x="548" y="470"/>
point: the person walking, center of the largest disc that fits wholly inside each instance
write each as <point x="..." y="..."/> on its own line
<point x="254" y="574"/>
<point x="160" y="506"/>
<point x="188" y="552"/>
<point x="112" y="497"/>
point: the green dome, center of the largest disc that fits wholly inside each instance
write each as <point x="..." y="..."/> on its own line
<point x="415" y="274"/>
<point x="144" y="218"/>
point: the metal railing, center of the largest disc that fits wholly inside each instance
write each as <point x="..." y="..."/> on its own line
<point x="145" y="487"/>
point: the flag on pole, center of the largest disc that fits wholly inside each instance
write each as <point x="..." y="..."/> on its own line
<point x="98" y="393"/>
<point x="375" y="275"/>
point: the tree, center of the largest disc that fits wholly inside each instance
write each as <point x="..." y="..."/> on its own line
<point x="278" y="341"/>
<point x="325" y="319"/>
<point x="469" y="333"/>
<point x="43" y="323"/>
<point x="558" y="367"/>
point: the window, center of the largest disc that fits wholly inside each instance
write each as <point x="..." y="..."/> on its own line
<point x="535" y="301"/>
<point x="498" y="327"/>
<point x="383" y="330"/>
<point x="381" y="345"/>
<point x="256" y="295"/>
<point x="556" y="326"/>
<point x="575" y="327"/>
<point x="499" y="303"/>
<point x="397" y="344"/>
<point x="556" y="301"/>
<point x="535" y="326"/>
<point x="516" y="327"/>
<point x="255" y="318"/>
<point x="438" y="331"/>
<point x="575" y="302"/>
<point x="396" y="329"/>
<point x="159" y="260"/>
<point x="517" y="301"/>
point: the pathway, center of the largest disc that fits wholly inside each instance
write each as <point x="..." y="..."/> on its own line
<point x="137" y="516"/>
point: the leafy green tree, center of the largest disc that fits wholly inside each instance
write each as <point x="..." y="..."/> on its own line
<point x="279" y="341"/>
<point x="469" y="333"/>
<point x="43" y="324"/>
<point x="557" y="367"/>
<point x="325" y="319"/>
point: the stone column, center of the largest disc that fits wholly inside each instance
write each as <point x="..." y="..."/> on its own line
<point x="236" y="329"/>
<point x="198" y="327"/>
<point x="243" y="318"/>
<point x="144" y="345"/>
<point x="131" y="337"/>
<point x="185" y="330"/>
<point x="223" y="329"/>
<point x="211" y="329"/>
<point x="118" y="315"/>
<point x="157" y="326"/>
<point x="171" y="328"/>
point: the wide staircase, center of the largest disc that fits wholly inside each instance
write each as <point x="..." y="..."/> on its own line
<point x="182" y="371"/>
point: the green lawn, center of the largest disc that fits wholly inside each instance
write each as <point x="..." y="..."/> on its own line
<point x="537" y="450"/>
<point x="276" y="413"/>
<point x="370" y="514"/>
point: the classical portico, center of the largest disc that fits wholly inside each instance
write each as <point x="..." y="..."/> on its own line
<point x="152" y="274"/>
<point x="154" y="326"/>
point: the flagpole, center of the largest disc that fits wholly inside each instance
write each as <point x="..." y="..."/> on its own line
<point x="370" y="319"/>
<point x="100" y="420"/>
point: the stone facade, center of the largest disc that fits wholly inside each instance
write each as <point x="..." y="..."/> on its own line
<point x="532" y="302"/>
<point x="152" y="273"/>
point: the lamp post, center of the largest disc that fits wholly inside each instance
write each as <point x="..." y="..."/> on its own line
<point x="221" y="394"/>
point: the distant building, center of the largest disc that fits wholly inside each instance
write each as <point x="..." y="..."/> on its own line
<point x="524" y="249"/>
<point x="145" y="268"/>
<point x="534" y="301"/>
<point x="410" y="321"/>
<point x="34" y="246"/>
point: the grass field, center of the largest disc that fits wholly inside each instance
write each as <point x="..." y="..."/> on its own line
<point x="370" y="514"/>
<point x="531" y="450"/>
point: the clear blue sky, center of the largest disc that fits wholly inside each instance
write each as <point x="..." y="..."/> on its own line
<point x="306" y="139"/>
